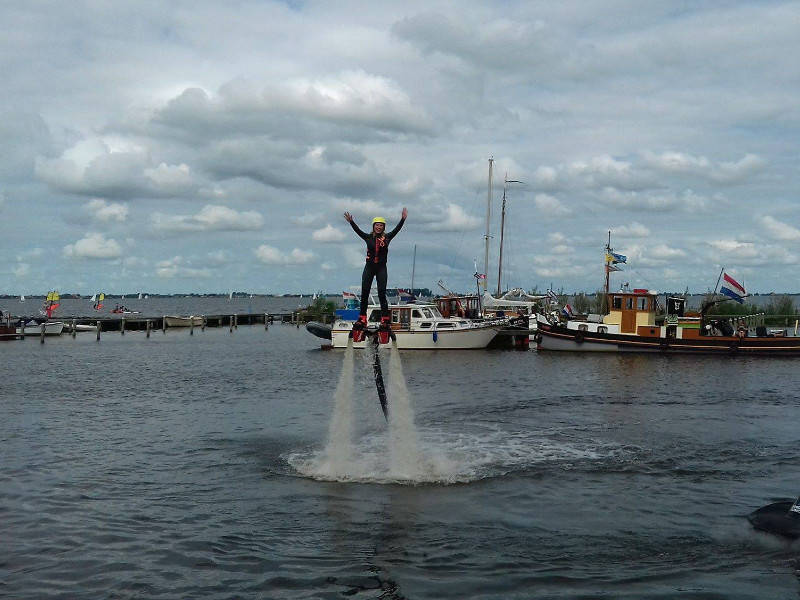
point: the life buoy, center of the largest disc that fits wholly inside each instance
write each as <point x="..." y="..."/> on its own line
<point x="579" y="335"/>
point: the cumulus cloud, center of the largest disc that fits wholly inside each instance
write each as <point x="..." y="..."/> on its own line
<point x="211" y="217"/>
<point x="633" y="230"/>
<point x="549" y="206"/>
<point x="22" y="270"/>
<point x="95" y="167"/>
<point x="700" y="166"/>
<point x="93" y="246"/>
<point x="328" y="234"/>
<point x="105" y="212"/>
<point x="269" y="255"/>
<point x="779" y="230"/>
<point x="179" y="268"/>
<point x="454" y="218"/>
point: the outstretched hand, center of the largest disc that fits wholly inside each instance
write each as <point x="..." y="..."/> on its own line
<point x="405" y="212"/>
<point x="348" y="217"/>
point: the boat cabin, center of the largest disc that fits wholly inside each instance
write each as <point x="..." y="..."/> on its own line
<point x="465" y="307"/>
<point x="631" y="311"/>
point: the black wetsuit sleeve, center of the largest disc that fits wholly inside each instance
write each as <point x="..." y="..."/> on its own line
<point x="357" y="229"/>
<point x="396" y="230"/>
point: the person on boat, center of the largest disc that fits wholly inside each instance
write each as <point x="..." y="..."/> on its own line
<point x="375" y="267"/>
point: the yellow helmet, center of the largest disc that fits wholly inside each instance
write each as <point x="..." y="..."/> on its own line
<point x="379" y="220"/>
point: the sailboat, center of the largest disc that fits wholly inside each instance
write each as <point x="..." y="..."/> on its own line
<point x="22" y="298"/>
<point x="93" y="298"/>
<point x="51" y="303"/>
<point x="140" y="296"/>
<point x="98" y="298"/>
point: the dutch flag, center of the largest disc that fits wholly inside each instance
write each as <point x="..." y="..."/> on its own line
<point x="732" y="288"/>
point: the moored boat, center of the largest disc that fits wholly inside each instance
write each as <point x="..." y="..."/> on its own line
<point x="416" y="327"/>
<point x="630" y="326"/>
<point x="33" y="327"/>
<point x="176" y="321"/>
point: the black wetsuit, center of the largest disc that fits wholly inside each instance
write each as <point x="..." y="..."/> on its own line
<point x="377" y="252"/>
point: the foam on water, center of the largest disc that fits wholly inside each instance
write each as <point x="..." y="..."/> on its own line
<point x="406" y="454"/>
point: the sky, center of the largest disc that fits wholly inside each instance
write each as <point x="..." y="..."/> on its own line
<point x="212" y="147"/>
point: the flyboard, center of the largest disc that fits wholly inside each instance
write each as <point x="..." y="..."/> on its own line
<point x="379" y="336"/>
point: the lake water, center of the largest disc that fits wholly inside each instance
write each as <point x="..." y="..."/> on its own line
<point x="205" y="466"/>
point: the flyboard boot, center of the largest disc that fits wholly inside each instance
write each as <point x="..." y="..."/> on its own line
<point x="359" y="329"/>
<point x="385" y="331"/>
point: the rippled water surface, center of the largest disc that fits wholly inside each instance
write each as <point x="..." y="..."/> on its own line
<point x="202" y="467"/>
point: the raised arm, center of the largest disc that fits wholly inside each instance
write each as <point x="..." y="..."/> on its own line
<point x="349" y="218"/>
<point x="399" y="226"/>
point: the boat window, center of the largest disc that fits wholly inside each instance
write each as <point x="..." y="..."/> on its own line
<point x="425" y="325"/>
<point x="436" y="312"/>
<point x="583" y="328"/>
<point x="463" y="323"/>
<point x="427" y="313"/>
<point x="616" y="302"/>
<point x="643" y="303"/>
<point x="416" y="314"/>
<point x="395" y="316"/>
<point x="446" y="325"/>
<point x="602" y="329"/>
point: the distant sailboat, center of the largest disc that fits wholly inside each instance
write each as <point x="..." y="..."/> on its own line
<point x="140" y="296"/>
<point x="146" y="296"/>
<point x="99" y="300"/>
<point x="230" y="296"/>
<point x="93" y="298"/>
<point x="22" y="298"/>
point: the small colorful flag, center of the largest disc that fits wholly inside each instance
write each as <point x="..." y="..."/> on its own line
<point x="612" y="268"/>
<point x="348" y="296"/>
<point x="567" y="311"/>
<point x="613" y="257"/>
<point x="480" y="275"/>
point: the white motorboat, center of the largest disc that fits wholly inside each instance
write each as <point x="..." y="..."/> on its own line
<point x="419" y="327"/>
<point x="34" y="328"/>
<point x="175" y="321"/>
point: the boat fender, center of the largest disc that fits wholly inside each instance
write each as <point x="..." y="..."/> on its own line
<point x="435" y="335"/>
<point x="579" y="337"/>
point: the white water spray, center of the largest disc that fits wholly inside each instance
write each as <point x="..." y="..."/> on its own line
<point x="404" y="453"/>
<point x="339" y="450"/>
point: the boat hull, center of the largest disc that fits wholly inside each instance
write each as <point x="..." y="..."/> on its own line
<point x="183" y="321"/>
<point x="8" y="332"/>
<point x="559" y="338"/>
<point x="50" y="328"/>
<point x="462" y="339"/>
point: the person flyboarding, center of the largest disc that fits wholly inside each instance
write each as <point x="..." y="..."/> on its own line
<point x="375" y="268"/>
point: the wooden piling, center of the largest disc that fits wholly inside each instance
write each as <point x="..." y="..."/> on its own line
<point x="191" y="325"/>
<point x="203" y="326"/>
<point x="41" y="335"/>
<point x="236" y="321"/>
<point x="74" y="328"/>
<point x="122" y="326"/>
<point x="99" y="326"/>
<point x="230" y="323"/>
<point x="164" y="324"/>
<point x="266" y="322"/>
<point x="147" y="327"/>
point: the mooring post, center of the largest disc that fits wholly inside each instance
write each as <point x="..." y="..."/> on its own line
<point x="203" y="327"/>
<point x="98" y="330"/>
<point x="122" y="326"/>
<point x="230" y="323"/>
<point x="191" y="325"/>
<point x="164" y="324"/>
<point x="41" y="335"/>
<point x="22" y="328"/>
<point x="74" y="329"/>
<point x="236" y="321"/>
<point x="266" y="322"/>
<point x="147" y="327"/>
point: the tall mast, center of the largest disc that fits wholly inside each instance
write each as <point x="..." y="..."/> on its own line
<point x="506" y="181"/>
<point x="413" y="266"/>
<point x="486" y="236"/>
<point x="502" y="228"/>
<point x="605" y="258"/>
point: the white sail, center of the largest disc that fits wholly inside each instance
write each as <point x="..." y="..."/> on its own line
<point x="140" y="295"/>
<point x="22" y="298"/>
<point x="93" y="298"/>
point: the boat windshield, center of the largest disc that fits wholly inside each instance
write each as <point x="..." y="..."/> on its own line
<point x="436" y="312"/>
<point x="427" y="313"/>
